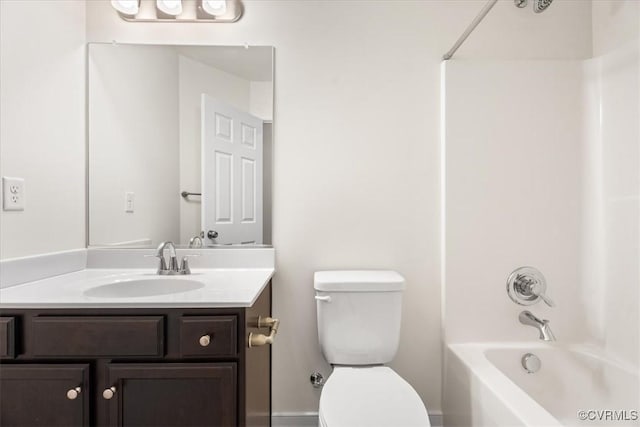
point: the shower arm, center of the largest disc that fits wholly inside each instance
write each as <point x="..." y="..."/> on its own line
<point x="485" y="10"/>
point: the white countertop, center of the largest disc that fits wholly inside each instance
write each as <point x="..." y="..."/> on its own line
<point x="219" y="287"/>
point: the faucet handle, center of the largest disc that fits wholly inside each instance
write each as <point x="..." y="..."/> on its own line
<point x="535" y="290"/>
<point x="184" y="265"/>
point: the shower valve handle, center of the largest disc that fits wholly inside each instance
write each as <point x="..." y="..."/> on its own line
<point x="526" y="286"/>
<point x="543" y="296"/>
<point x="534" y="287"/>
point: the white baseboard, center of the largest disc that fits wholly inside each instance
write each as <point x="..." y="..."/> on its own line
<point x="435" y="418"/>
<point x="294" y="419"/>
<point x="310" y="419"/>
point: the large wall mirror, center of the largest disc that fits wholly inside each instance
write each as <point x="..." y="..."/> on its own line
<point x="180" y="145"/>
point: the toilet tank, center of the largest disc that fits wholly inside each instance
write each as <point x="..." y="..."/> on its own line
<point x="359" y="315"/>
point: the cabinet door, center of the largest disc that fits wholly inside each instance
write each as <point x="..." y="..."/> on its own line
<point x="171" y="394"/>
<point x="44" y="395"/>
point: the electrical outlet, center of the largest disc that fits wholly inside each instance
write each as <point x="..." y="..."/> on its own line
<point x="13" y="194"/>
<point x="129" y="202"/>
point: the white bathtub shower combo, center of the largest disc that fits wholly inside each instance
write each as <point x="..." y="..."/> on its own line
<point x="488" y="386"/>
<point x="541" y="167"/>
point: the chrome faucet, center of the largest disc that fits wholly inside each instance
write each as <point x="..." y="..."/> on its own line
<point x="195" y="242"/>
<point x="527" y="318"/>
<point x="173" y="268"/>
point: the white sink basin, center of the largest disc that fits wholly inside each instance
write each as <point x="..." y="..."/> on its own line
<point x="140" y="287"/>
<point x="147" y="287"/>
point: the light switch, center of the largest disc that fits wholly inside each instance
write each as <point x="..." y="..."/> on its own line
<point x="13" y="194"/>
<point x="129" y="201"/>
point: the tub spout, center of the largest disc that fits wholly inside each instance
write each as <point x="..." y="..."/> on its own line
<point x="527" y="318"/>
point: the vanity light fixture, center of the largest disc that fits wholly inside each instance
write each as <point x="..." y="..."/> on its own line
<point x="214" y="7"/>
<point x="214" y="11"/>
<point x="127" y="8"/>
<point x="170" y="8"/>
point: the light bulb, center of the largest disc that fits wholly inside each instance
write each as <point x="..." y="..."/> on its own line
<point x="170" y="7"/>
<point x="214" y="7"/>
<point x="126" y="7"/>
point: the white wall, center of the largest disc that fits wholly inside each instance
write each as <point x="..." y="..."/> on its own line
<point x="611" y="264"/>
<point x="42" y="124"/>
<point x="611" y="254"/>
<point x="134" y="143"/>
<point x="356" y="157"/>
<point x="195" y="79"/>
<point x="615" y="24"/>
<point x="513" y="185"/>
<point x="262" y="100"/>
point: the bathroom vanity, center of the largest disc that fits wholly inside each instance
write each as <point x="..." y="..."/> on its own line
<point x="172" y="359"/>
<point x="122" y="332"/>
<point x="124" y="367"/>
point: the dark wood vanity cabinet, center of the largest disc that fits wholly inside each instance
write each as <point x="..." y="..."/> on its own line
<point x="46" y="395"/>
<point x="135" y="367"/>
<point x="173" y="394"/>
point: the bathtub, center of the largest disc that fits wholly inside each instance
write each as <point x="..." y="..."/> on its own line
<point x="486" y="385"/>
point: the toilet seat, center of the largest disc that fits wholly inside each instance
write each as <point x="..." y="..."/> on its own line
<point x="370" y="396"/>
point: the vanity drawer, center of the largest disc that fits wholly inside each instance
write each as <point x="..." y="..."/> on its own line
<point x="208" y="335"/>
<point x="98" y="336"/>
<point x="7" y="338"/>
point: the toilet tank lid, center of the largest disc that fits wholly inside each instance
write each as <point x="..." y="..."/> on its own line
<point x="358" y="281"/>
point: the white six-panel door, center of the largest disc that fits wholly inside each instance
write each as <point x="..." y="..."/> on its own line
<point x="232" y="173"/>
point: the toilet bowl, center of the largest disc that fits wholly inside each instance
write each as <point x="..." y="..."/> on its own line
<point x="359" y="329"/>
<point x="370" y="396"/>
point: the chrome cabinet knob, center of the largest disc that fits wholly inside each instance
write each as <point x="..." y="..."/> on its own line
<point x="108" y="393"/>
<point x="212" y="234"/>
<point x="73" y="393"/>
<point x="205" y="340"/>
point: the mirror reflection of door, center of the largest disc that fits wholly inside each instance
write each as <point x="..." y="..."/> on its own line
<point x="232" y="174"/>
<point x="145" y="149"/>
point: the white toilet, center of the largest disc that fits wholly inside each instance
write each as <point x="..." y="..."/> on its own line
<point x="359" y="330"/>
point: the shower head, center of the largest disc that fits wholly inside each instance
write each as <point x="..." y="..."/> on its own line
<point x="541" y="5"/>
<point x="538" y="5"/>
